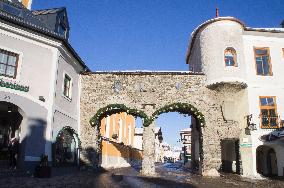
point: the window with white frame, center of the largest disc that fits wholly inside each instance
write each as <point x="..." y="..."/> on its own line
<point x="67" y="86"/>
<point x="8" y="64"/>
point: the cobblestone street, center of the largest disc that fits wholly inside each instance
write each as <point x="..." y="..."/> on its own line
<point x="169" y="175"/>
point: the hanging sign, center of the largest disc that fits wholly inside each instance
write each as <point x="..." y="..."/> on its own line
<point x="14" y="86"/>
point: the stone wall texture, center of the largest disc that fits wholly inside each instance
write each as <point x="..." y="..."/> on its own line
<point x="149" y="91"/>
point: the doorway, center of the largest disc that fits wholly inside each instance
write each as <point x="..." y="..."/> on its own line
<point x="10" y="128"/>
<point x="230" y="156"/>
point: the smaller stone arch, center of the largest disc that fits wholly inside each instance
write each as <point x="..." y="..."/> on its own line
<point x="189" y="109"/>
<point x="66" y="147"/>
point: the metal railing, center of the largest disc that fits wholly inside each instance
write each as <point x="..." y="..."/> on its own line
<point x="270" y="122"/>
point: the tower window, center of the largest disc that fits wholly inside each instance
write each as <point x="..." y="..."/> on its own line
<point x="230" y="57"/>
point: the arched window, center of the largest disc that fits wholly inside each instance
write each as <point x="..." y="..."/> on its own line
<point x="230" y="57"/>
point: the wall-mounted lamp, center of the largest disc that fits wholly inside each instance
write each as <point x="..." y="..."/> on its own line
<point x="250" y="126"/>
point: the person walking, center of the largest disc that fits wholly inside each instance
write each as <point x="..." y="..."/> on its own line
<point x="13" y="151"/>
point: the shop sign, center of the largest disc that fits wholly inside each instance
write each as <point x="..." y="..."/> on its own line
<point x="14" y="86"/>
<point x="246" y="145"/>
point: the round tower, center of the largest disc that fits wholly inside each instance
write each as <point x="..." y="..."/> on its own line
<point x="216" y="49"/>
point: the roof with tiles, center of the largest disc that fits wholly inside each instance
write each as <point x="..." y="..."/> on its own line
<point x="13" y="12"/>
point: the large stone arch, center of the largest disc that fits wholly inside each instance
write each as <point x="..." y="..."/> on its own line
<point x="110" y="109"/>
<point x="150" y="91"/>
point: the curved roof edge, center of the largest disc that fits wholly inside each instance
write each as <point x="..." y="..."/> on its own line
<point x="196" y="31"/>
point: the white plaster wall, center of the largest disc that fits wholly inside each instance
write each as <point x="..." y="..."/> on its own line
<point x="263" y="85"/>
<point x="69" y="106"/>
<point x="214" y="39"/>
<point x="36" y="69"/>
<point x="65" y="108"/>
<point x="35" y="64"/>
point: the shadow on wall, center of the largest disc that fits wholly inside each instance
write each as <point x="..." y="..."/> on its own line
<point x="33" y="145"/>
<point x="90" y="154"/>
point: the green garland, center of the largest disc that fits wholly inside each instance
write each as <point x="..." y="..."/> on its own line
<point x="183" y="108"/>
<point x="115" y="108"/>
<point x="70" y="130"/>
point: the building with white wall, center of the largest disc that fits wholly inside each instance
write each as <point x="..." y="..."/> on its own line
<point x="245" y="65"/>
<point x="138" y="141"/>
<point x="39" y="84"/>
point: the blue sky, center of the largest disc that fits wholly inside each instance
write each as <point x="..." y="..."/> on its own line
<point x="151" y="34"/>
<point x="171" y="123"/>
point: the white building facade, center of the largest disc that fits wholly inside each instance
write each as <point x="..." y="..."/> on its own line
<point x="40" y="81"/>
<point x="246" y="66"/>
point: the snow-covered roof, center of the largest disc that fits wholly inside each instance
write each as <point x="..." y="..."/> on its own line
<point x="186" y="130"/>
<point x="266" y="29"/>
<point x="146" y="72"/>
<point x="138" y="130"/>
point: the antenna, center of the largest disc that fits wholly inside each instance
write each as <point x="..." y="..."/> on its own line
<point x="217" y="9"/>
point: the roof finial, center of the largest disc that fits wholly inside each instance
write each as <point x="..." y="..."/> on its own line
<point x="216" y="10"/>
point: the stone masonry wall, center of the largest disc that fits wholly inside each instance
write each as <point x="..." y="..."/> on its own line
<point x="137" y="89"/>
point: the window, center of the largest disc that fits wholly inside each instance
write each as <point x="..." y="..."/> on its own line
<point x="262" y="60"/>
<point x="67" y="86"/>
<point x="230" y="57"/>
<point x="8" y="64"/>
<point x="268" y="112"/>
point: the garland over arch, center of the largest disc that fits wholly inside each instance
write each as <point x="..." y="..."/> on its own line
<point x="183" y="108"/>
<point x="115" y="108"/>
<point x="70" y="130"/>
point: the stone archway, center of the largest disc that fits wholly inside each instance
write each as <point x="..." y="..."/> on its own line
<point x="148" y="164"/>
<point x="151" y="91"/>
<point x="110" y="109"/>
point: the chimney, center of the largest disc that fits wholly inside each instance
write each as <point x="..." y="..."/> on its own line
<point x="27" y="3"/>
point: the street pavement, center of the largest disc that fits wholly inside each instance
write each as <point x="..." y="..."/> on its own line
<point x="168" y="175"/>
